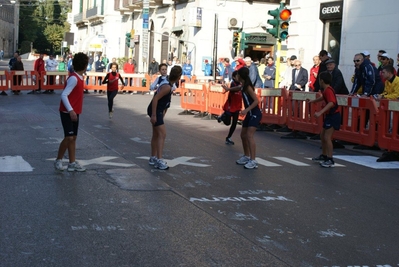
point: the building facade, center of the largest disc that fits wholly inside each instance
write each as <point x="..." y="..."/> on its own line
<point x="203" y="29"/>
<point x="8" y="28"/>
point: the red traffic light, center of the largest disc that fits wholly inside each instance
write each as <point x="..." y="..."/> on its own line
<point x="285" y="14"/>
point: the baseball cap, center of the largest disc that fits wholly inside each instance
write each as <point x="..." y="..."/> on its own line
<point x="330" y="61"/>
<point x="366" y="53"/>
<point x="385" y="55"/>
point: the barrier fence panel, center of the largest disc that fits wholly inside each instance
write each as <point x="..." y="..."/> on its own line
<point x="138" y="82"/>
<point x="273" y="105"/>
<point x="388" y="120"/>
<point x="300" y="115"/>
<point x="93" y="81"/>
<point x="216" y="99"/>
<point x="193" y="97"/>
<point x="22" y="80"/>
<point x="359" y="120"/>
<point x="53" y="80"/>
<point x="3" y="80"/>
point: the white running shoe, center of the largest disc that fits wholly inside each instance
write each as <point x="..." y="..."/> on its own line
<point x="243" y="160"/>
<point x="74" y="166"/>
<point x="252" y="164"/>
<point x="152" y="160"/>
<point x="160" y="164"/>
<point x="58" y="165"/>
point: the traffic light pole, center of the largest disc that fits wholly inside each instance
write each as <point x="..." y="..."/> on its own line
<point x="277" y="64"/>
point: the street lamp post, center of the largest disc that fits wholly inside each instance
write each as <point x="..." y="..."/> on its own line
<point x="16" y="22"/>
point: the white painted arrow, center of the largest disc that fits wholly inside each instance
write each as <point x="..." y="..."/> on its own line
<point x="138" y="140"/>
<point x="180" y="160"/>
<point x="100" y="161"/>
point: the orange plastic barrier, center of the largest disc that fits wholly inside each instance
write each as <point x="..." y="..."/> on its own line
<point x="355" y="127"/>
<point x="53" y="80"/>
<point x="22" y="80"/>
<point x="140" y="82"/>
<point x="193" y="97"/>
<point x="388" y="120"/>
<point x="93" y="81"/>
<point x="300" y="113"/>
<point x="273" y="105"/>
<point x="3" y="80"/>
<point x="216" y="99"/>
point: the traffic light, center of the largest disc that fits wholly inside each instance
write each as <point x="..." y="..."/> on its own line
<point x="285" y="17"/>
<point x="280" y="22"/>
<point x="128" y="37"/>
<point x="243" y="41"/>
<point x="274" y="22"/>
<point x="236" y="39"/>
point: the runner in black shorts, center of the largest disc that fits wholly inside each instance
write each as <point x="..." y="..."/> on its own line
<point x="253" y="115"/>
<point x="332" y="119"/>
<point x="157" y="110"/>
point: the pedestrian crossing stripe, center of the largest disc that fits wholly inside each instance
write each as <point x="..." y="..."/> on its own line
<point x="369" y="161"/>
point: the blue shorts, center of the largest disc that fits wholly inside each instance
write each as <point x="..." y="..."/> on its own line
<point x="252" y="119"/>
<point x="332" y="120"/>
<point x="160" y="115"/>
<point x="70" y="127"/>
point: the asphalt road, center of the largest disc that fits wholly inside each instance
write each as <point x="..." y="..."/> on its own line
<point x="204" y="211"/>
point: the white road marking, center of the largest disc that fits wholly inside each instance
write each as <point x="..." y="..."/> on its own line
<point x="138" y="140"/>
<point x="291" y="161"/>
<point x="100" y="161"/>
<point x="180" y="160"/>
<point x="369" y="161"/>
<point x="14" y="164"/>
<point x="266" y="163"/>
<point x="101" y="127"/>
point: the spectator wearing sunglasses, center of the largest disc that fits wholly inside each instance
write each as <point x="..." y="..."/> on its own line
<point x="366" y="77"/>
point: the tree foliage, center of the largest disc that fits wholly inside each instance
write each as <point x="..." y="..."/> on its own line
<point x="44" y="22"/>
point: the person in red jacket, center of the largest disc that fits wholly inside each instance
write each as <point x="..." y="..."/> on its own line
<point x="111" y="79"/>
<point x="232" y="108"/>
<point x="129" y="68"/>
<point x="39" y="67"/>
<point x="70" y="108"/>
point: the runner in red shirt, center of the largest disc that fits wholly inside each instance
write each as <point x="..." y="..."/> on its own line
<point x="70" y="109"/>
<point x="332" y="119"/>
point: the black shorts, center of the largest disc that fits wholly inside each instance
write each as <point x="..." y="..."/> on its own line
<point x="70" y="127"/>
<point x="332" y="120"/>
<point x="252" y="119"/>
<point x="160" y="115"/>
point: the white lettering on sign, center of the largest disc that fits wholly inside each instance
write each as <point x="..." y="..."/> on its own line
<point x="239" y="199"/>
<point x="331" y="10"/>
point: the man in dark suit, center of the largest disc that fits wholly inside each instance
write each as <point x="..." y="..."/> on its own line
<point x="337" y="82"/>
<point x="299" y="77"/>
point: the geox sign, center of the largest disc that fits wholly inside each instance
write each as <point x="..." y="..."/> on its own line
<point x="331" y="10"/>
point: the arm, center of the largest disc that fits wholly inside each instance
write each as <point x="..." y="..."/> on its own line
<point x="72" y="81"/>
<point x="251" y="92"/>
<point x="369" y="75"/>
<point x="315" y="100"/>
<point x="326" y="108"/>
<point x="106" y="79"/>
<point x="163" y="90"/>
<point x="121" y="79"/>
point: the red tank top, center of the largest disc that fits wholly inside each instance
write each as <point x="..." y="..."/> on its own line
<point x="113" y="81"/>
<point x="76" y="96"/>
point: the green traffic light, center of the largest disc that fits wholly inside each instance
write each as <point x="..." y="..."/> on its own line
<point x="274" y="13"/>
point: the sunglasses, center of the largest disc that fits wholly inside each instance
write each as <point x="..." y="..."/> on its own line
<point x="297" y="65"/>
<point x="356" y="60"/>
